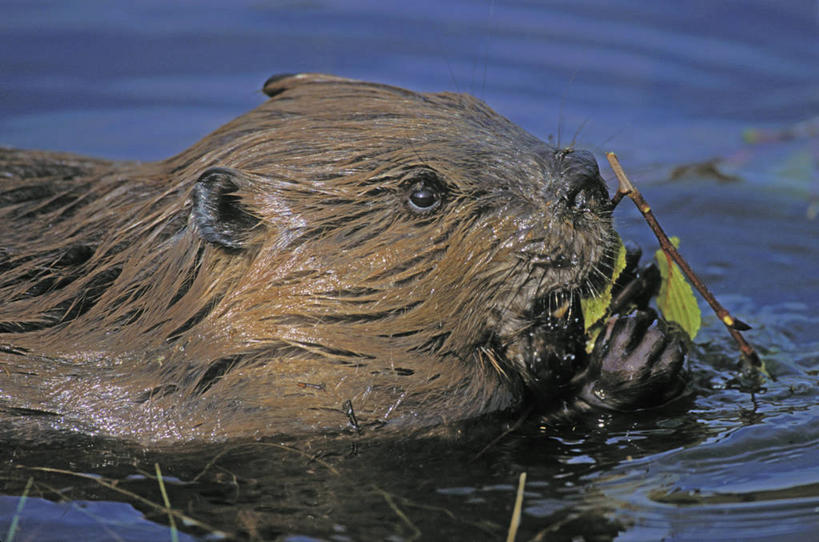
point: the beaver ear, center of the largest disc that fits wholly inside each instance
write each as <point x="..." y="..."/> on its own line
<point x="218" y="212"/>
<point x="276" y="84"/>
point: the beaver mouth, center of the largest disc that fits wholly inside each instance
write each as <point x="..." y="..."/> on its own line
<point x="543" y="349"/>
<point x="540" y="332"/>
<point x="555" y="261"/>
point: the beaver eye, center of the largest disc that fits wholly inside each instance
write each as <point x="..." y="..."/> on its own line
<point x="425" y="194"/>
<point x="424" y="198"/>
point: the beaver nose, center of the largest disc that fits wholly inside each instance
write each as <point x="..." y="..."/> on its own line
<point x="586" y="193"/>
<point x="585" y="189"/>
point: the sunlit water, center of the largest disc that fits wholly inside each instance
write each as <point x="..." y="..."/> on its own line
<point x="661" y="86"/>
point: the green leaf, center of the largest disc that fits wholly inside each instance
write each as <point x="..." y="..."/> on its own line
<point x="597" y="307"/>
<point x="676" y="299"/>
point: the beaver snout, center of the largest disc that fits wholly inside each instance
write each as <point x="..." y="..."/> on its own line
<point x="584" y="189"/>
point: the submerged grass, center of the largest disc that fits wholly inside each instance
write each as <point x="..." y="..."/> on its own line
<point x="174" y="514"/>
<point x="163" y="506"/>
<point x="20" y="504"/>
<point x="174" y="533"/>
<point x="416" y="532"/>
<point x="515" y="522"/>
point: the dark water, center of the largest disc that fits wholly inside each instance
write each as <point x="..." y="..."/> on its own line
<point x="662" y="85"/>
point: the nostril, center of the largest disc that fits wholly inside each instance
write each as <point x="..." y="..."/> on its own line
<point x="585" y="192"/>
<point x="577" y="197"/>
<point x="583" y="188"/>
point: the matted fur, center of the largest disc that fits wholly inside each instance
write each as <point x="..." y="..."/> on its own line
<point x="118" y="318"/>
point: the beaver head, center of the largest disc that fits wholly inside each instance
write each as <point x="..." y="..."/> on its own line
<point x="404" y="232"/>
<point x="416" y="254"/>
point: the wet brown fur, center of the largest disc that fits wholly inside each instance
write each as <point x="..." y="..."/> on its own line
<point x="118" y="318"/>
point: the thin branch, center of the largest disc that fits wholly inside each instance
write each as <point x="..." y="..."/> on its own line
<point x="734" y="325"/>
<point x="174" y="534"/>
<point x="515" y="523"/>
<point x="416" y="532"/>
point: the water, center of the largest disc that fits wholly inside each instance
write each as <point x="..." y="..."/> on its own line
<point x="662" y="87"/>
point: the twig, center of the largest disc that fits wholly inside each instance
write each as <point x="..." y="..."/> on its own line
<point x="416" y="532"/>
<point x="734" y="325"/>
<point x="515" y="523"/>
<point x="174" y="534"/>
<point x="20" y="504"/>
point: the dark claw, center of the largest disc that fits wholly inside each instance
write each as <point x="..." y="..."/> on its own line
<point x="637" y="362"/>
<point x="633" y="255"/>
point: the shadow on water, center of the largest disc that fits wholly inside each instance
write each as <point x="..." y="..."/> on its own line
<point x="337" y="488"/>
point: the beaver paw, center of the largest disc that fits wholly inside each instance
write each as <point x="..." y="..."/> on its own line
<point x="637" y="362"/>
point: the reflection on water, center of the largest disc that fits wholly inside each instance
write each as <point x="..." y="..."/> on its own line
<point x="661" y="86"/>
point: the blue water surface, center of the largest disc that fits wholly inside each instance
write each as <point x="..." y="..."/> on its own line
<point x="665" y="85"/>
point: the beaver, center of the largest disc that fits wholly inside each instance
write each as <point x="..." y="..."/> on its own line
<point x="345" y="253"/>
